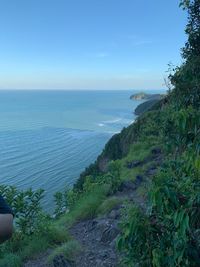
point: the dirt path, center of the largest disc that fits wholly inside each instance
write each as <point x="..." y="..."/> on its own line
<point x="98" y="236"/>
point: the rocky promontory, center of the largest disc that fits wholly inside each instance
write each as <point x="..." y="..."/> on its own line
<point x="150" y="101"/>
<point x="145" y="96"/>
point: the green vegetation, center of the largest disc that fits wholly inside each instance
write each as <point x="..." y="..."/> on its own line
<point x="27" y="241"/>
<point x="11" y="259"/>
<point x="140" y="151"/>
<point x="144" y="107"/>
<point x="69" y="250"/>
<point x="167" y="231"/>
<point x="142" y="95"/>
<point x="108" y="204"/>
<point x="86" y="206"/>
<point x="45" y="232"/>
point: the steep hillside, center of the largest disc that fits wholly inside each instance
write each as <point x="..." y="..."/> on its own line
<point x="145" y="106"/>
<point x="139" y="203"/>
<point x="119" y="145"/>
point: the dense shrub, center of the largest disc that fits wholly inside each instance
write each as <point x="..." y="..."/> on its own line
<point x="26" y="206"/>
<point x="169" y="233"/>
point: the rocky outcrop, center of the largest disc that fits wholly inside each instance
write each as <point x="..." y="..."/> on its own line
<point x="145" y="96"/>
<point x="61" y="261"/>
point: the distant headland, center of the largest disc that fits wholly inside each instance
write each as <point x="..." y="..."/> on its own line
<point x="150" y="100"/>
<point x="145" y="96"/>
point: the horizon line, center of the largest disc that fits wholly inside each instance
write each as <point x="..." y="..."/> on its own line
<point x="80" y="89"/>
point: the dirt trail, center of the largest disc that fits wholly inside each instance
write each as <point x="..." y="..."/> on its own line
<point x="98" y="236"/>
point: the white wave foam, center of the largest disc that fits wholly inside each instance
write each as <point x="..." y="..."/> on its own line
<point x="101" y="124"/>
<point x="112" y="121"/>
<point x="118" y="121"/>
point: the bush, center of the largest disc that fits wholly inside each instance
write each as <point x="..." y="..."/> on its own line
<point x="11" y="260"/>
<point x="108" y="205"/>
<point x="69" y="250"/>
<point x="25" y="205"/>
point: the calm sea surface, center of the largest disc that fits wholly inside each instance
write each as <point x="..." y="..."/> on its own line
<point x="47" y="138"/>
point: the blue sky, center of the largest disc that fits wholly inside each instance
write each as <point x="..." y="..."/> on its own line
<point x="88" y="44"/>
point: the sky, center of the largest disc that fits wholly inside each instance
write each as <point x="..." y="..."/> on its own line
<point x="89" y="44"/>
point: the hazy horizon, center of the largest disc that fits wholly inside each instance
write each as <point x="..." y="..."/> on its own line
<point x="84" y="89"/>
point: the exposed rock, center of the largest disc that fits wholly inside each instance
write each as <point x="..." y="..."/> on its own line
<point x="151" y="171"/>
<point x="156" y="155"/>
<point x="90" y="225"/>
<point x="103" y="164"/>
<point x="127" y="185"/>
<point x="97" y="237"/>
<point x="103" y="224"/>
<point x="113" y="244"/>
<point x="40" y="261"/>
<point x="60" y="261"/>
<point x="109" y="234"/>
<point x="134" y="164"/>
<point x="156" y="151"/>
<point x="131" y="186"/>
<point x="138" y="180"/>
<point x="115" y="214"/>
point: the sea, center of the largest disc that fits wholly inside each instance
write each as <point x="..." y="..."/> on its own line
<point x="47" y="138"/>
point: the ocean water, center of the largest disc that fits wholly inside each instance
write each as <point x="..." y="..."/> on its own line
<point x="47" y="138"/>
